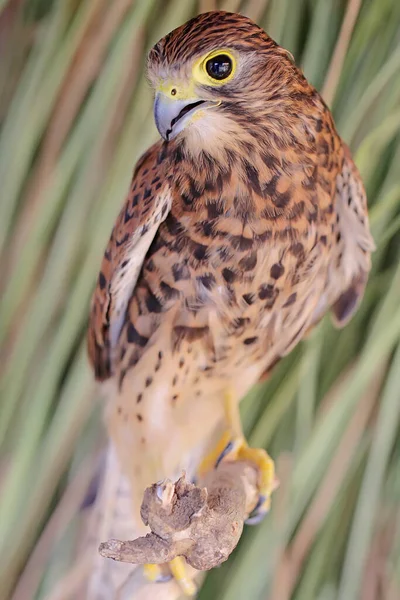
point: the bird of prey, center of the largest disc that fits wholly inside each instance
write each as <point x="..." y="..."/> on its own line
<point x="242" y="227"/>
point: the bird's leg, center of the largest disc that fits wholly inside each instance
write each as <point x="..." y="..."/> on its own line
<point x="233" y="446"/>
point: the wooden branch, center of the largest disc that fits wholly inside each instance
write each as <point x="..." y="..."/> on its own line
<point x="203" y="524"/>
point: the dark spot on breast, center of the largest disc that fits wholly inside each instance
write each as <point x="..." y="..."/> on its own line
<point x="291" y="300"/>
<point x="160" y="355"/>
<point x="152" y="303"/>
<point x="119" y="410"/>
<point x="250" y="340"/>
<point x="297" y="249"/>
<point x="139" y="398"/>
<point x="208" y="280"/>
<point x="338" y="236"/>
<point x="134" y="337"/>
<point x="190" y="334"/>
<point x="180" y="271"/>
<point x="252" y="177"/>
<point x="135" y="200"/>
<point x="162" y="154"/>
<point x="228" y="275"/>
<point x="214" y="210"/>
<point x="281" y="200"/>
<point x="199" y="251"/>
<point x="150" y="266"/>
<point x="269" y="188"/>
<point x="240" y="322"/>
<point x="175" y="397"/>
<point x="133" y="361"/>
<point x="149" y="381"/>
<point x="249" y="298"/>
<point x="277" y="270"/>
<point x="207" y="228"/>
<point x="127" y="215"/>
<point x="239" y="242"/>
<point x="270" y="160"/>
<point x="323" y="240"/>
<point x="173" y="225"/>
<point x="195" y="188"/>
<point x="175" y="380"/>
<point x="139" y="417"/>
<point x="169" y="292"/>
<point x="187" y="200"/>
<point x="102" y="281"/>
<point x="178" y="154"/>
<point x="265" y="291"/>
<point x="181" y="362"/>
<point x="122" y="241"/>
<point x="247" y="263"/>
<point x="224" y="253"/>
<point x="312" y="216"/>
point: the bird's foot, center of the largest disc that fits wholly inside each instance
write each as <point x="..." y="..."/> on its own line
<point x="176" y="569"/>
<point x="236" y="449"/>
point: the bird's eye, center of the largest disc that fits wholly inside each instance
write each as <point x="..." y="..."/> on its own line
<point x="219" y="67"/>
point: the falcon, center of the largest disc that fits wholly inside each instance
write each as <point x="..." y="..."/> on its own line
<point x="243" y="225"/>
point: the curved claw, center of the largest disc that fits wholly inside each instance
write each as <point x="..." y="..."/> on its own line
<point x="228" y="448"/>
<point x="163" y="578"/>
<point x="259" y="512"/>
<point x="156" y="574"/>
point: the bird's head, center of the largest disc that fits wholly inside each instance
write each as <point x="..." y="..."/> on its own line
<point x="215" y="75"/>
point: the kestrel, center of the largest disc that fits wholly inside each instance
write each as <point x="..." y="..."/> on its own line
<point x="242" y="227"/>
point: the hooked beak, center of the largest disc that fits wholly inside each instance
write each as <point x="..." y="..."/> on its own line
<point x="171" y="116"/>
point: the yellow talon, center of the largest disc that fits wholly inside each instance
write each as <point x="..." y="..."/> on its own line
<point x="177" y="569"/>
<point x="233" y="446"/>
<point x="153" y="573"/>
<point x="265" y="465"/>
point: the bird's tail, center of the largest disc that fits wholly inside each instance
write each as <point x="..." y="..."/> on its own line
<point x="111" y="517"/>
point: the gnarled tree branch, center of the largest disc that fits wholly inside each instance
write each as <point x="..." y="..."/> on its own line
<point x="203" y="524"/>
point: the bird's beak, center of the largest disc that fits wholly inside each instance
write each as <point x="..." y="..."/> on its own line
<point x="171" y="116"/>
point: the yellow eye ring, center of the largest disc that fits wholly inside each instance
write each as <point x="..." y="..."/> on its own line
<point x="216" y="68"/>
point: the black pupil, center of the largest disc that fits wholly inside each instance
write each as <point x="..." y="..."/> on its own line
<point x="219" y="67"/>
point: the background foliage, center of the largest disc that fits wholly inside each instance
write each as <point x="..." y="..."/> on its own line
<point x="75" y="114"/>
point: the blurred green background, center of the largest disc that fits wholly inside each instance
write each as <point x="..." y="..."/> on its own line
<point x="75" y="114"/>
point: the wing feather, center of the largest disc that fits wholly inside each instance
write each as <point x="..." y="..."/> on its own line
<point x="351" y="261"/>
<point x="147" y="205"/>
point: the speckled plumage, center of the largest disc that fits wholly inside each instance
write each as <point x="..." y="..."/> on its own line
<point x="235" y="238"/>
